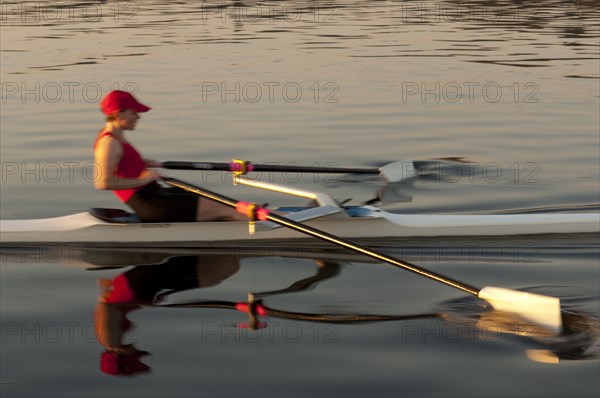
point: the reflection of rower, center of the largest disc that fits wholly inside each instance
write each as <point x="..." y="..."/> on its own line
<point x="119" y="359"/>
<point x="149" y="285"/>
<point x="143" y="285"/>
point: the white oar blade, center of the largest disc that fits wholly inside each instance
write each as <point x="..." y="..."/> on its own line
<point x="398" y="171"/>
<point x="542" y="310"/>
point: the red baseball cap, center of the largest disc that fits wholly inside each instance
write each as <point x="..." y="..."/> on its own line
<point x="118" y="100"/>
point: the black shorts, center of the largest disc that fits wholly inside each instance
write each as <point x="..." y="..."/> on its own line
<point x="154" y="203"/>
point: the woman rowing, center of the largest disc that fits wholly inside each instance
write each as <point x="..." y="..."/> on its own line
<point x="121" y="168"/>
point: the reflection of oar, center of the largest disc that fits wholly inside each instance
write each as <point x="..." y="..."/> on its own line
<point x="392" y="172"/>
<point x="257" y="307"/>
<point x="542" y="310"/>
<point x="327" y="270"/>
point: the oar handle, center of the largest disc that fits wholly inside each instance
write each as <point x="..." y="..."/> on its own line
<point x="177" y="165"/>
<point x="249" y="167"/>
<point x="307" y="230"/>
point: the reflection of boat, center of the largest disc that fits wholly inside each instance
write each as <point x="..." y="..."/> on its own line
<point x="451" y="250"/>
<point x="159" y="285"/>
<point x="117" y="228"/>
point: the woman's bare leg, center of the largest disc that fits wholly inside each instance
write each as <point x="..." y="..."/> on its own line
<point x="209" y="210"/>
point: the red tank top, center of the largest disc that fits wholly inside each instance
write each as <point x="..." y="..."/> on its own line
<point x="130" y="166"/>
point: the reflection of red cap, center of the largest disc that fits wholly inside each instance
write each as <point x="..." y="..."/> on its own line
<point x="118" y="100"/>
<point x="120" y="365"/>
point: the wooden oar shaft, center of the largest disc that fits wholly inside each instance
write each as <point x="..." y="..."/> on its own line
<point x="305" y="229"/>
<point x="178" y="165"/>
<point x="371" y="253"/>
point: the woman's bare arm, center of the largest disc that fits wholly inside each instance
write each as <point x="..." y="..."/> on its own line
<point x="108" y="154"/>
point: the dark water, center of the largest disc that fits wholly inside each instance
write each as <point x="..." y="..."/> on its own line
<point x="497" y="101"/>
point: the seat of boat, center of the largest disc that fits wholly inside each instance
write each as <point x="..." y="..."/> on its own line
<point x="115" y="216"/>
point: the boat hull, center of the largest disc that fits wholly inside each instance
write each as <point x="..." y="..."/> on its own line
<point x="85" y="229"/>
